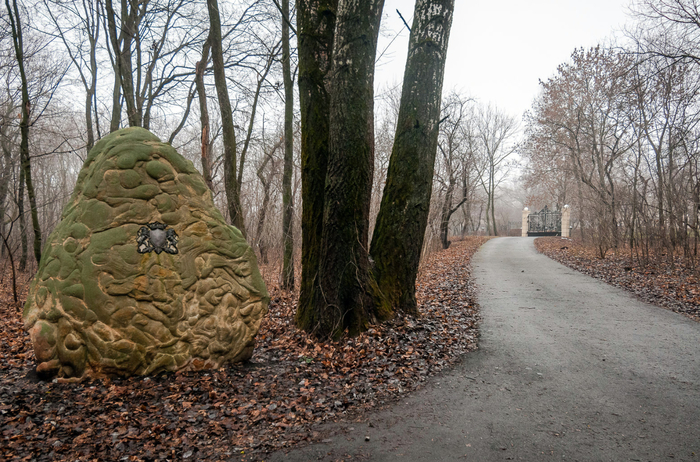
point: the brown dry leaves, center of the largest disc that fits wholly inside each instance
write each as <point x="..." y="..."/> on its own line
<point x="670" y="285"/>
<point x="241" y="411"/>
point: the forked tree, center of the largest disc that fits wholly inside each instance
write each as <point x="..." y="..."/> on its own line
<point x="340" y="290"/>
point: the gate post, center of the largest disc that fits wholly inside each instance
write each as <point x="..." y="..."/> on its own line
<point x="565" y="221"/>
<point x="526" y="212"/>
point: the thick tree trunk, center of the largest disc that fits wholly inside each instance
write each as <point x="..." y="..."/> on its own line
<point x="24" y="125"/>
<point x="344" y="301"/>
<point x="287" y="199"/>
<point x="316" y="28"/>
<point x="229" y="132"/>
<point x="403" y="216"/>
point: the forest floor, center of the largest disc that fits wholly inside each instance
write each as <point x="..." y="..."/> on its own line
<point x="666" y="282"/>
<point x="243" y="411"/>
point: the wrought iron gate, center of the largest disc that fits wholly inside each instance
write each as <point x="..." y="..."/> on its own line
<point x="544" y="223"/>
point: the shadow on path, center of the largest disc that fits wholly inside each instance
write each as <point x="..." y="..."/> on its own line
<point x="569" y="368"/>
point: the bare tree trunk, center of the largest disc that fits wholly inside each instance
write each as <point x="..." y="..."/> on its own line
<point x="493" y="207"/>
<point x="24" y="125"/>
<point x="12" y="265"/>
<point x="445" y="216"/>
<point x="93" y="24"/>
<point x="316" y="21"/>
<point x="266" y="181"/>
<point x="287" y="199"/>
<point x="121" y="46"/>
<point x="488" y="212"/>
<point x="344" y="301"/>
<point x="398" y="235"/>
<point x="233" y="200"/>
<point x="22" y="223"/>
<point x="204" y="114"/>
<point x="115" y="120"/>
<point x="7" y="168"/>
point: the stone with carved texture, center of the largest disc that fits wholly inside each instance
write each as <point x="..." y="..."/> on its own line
<point x="142" y="274"/>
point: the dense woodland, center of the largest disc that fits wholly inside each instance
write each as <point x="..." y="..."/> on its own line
<point x="276" y="105"/>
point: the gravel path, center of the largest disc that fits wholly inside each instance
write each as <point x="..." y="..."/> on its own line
<point x="568" y="368"/>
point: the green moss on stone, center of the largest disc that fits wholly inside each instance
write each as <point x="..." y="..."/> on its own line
<point x="172" y="218"/>
<point x="164" y="203"/>
<point x="52" y="268"/>
<point x="111" y="178"/>
<point x="75" y="290"/>
<point x="97" y="215"/>
<point x="107" y="239"/>
<point x="180" y="164"/>
<point x="41" y="295"/>
<point x="159" y="171"/>
<point x="128" y="253"/>
<point x="78" y="230"/>
<point x="128" y="155"/>
<point x="195" y="182"/>
<point x="145" y="192"/>
<point x="137" y="211"/>
<point x="70" y="245"/>
<point x="171" y="187"/>
<point x="73" y="306"/>
<point x="129" y="179"/>
<point x="92" y="274"/>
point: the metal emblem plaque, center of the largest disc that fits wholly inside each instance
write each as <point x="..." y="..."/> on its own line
<point x="156" y="237"/>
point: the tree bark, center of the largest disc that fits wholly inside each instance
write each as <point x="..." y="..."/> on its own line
<point x="343" y="302"/>
<point x="493" y="208"/>
<point x="121" y="46"/>
<point x="266" y="181"/>
<point x="200" y="69"/>
<point x="233" y="200"/>
<point x="22" y="222"/>
<point x="24" y="125"/>
<point x="7" y="168"/>
<point x="287" y="199"/>
<point x="316" y="29"/>
<point x="403" y="216"/>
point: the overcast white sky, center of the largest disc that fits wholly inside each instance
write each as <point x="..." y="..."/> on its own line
<point x="499" y="50"/>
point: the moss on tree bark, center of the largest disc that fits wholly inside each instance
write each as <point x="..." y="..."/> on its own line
<point x="316" y="29"/>
<point x="403" y="215"/>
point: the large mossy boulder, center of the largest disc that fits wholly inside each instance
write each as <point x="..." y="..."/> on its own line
<point x="142" y="274"/>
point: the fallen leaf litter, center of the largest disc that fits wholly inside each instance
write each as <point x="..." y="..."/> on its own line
<point x="240" y="411"/>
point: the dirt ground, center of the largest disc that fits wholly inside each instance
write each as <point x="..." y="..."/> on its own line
<point x="243" y="411"/>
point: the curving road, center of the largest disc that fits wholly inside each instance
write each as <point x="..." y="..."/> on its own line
<point x="569" y="368"/>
